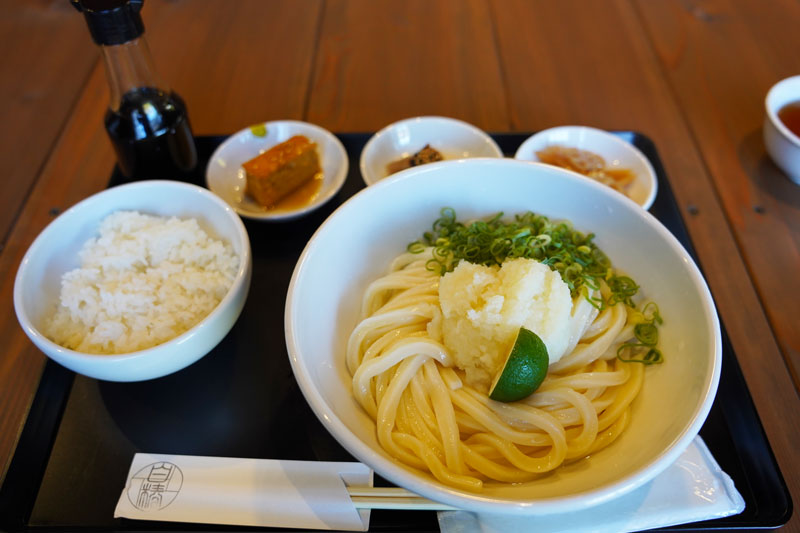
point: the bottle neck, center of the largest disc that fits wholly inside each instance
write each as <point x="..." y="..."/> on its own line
<point x="130" y="66"/>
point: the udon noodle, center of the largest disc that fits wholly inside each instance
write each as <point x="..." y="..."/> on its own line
<point x="429" y="418"/>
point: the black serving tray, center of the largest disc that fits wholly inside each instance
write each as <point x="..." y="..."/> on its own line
<point x="241" y="400"/>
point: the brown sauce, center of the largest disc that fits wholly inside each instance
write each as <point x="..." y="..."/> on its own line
<point x="790" y="116"/>
<point x="301" y="196"/>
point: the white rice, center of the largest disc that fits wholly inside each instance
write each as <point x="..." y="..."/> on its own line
<point x="143" y="281"/>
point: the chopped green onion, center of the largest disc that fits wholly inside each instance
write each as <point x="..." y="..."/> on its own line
<point x="632" y="352"/>
<point x="556" y="244"/>
<point x="416" y="247"/>
<point x="646" y="332"/>
<point x="582" y="265"/>
<point x="623" y="289"/>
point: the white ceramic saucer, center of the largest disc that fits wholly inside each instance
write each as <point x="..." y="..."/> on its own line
<point x="617" y="153"/>
<point x="225" y="176"/>
<point x="454" y="139"/>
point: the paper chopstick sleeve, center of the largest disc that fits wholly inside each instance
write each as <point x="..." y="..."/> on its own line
<point x="249" y="492"/>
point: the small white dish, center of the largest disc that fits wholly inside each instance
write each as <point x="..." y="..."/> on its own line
<point x="782" y="145"/>
<point x="454" y="139"/>
<point x="617" y="153"/>
<point x="225" y="176"/>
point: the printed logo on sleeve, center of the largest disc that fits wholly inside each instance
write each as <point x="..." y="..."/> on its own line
<point x="155" y="486"/>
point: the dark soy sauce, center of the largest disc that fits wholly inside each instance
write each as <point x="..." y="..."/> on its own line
<point x="151" y="135"/>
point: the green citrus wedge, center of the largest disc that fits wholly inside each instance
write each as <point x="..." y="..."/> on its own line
<point x="524" y="370"/>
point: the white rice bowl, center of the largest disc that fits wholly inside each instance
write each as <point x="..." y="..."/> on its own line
<point x="163" y="305"/>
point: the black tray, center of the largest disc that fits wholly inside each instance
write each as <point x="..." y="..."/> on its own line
<point x="241" y="400"/>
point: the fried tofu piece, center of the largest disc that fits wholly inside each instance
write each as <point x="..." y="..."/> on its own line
<point x="281" y="169"/>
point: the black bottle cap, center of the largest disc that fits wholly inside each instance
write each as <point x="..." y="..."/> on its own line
<point x="112" y="21"/>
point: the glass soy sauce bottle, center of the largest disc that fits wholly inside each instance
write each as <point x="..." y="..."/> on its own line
<point x="147" y="123"/>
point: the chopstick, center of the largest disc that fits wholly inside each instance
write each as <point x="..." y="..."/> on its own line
<point x="393" y="498"/>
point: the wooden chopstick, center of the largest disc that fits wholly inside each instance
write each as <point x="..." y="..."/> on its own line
<point x="393" y="498"/>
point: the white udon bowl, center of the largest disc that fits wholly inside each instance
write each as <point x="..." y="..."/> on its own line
<point x="782" y="145"/>
<point x="55" y="251"/>
<point x="355" y="245"/>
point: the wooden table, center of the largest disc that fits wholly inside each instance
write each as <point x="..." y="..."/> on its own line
<point x="690" y="74"/>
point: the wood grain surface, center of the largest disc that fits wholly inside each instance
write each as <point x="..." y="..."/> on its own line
<point x="689" y="74"/>
<point x="720" y="70"/>
<point x="46" y="60"/>
<point x="237" y="66"/>
<point x="379" y="62"/>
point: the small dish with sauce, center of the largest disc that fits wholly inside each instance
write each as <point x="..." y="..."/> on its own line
<point x="782" y="126"/>
<point x="422" y="140"/>
<point x="596" y="154"/>
<point x="226" y="177"/>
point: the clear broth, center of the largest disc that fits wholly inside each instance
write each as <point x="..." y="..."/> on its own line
<point x="790" y="116"/>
